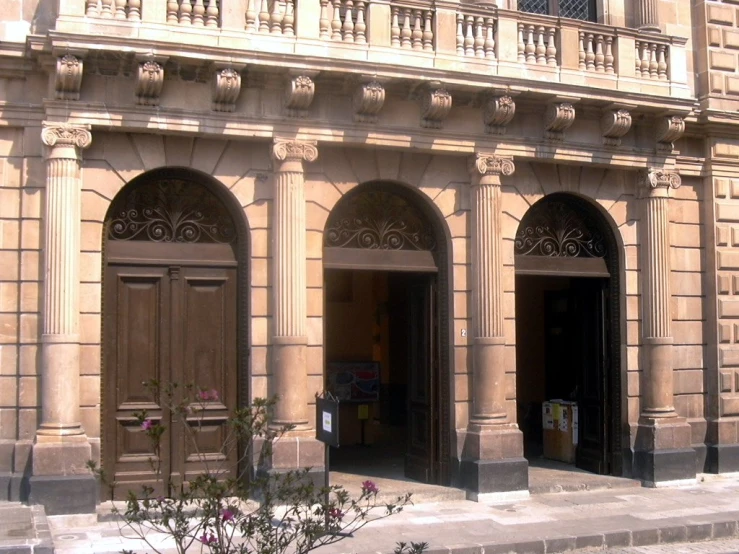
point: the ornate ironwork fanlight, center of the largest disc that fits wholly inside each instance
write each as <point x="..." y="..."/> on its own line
<point x="171" y="210"/>
<point x="377" y="219"/>
<point x="557" y="228"/>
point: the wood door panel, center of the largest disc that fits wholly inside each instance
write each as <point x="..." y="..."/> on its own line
<point x="136" y="331"/>
<point x="421" y="456"/>
<point x="208" y="329"/>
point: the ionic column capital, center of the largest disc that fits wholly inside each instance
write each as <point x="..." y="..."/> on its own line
<point x="293" y="151"/>
<point x="66" y="139"/>
<point x="486" y="169"/>
<point x="658" y="182"/>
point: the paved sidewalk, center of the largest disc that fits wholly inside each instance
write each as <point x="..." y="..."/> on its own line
<point x="24" y="530"/>
<point x="603" y="519"/>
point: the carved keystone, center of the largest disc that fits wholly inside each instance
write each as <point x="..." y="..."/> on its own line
<point x="226" y="89"/>
<point x="149" y="83"/>
<point x="558" y="118"/>
<point x="299" y="95"/>
<point x="368" y="101"/>
<point x="615" y="124"/>
<point x="436" y="102"/>
<point x="498" y="112"/>
<point x="68" y="77"/>
<point x="667" y="131"/>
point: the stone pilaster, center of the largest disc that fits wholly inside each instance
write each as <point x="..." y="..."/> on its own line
<point x="646" y="16"/>
<point x="487" y="289"/>
<point x="492" y="459"/>
<point x="61" y="449"/>
<point x="662" y="449"/>
<point x="289" y="341"/>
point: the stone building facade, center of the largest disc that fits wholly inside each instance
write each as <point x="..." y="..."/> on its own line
<point x="242" y="193"/>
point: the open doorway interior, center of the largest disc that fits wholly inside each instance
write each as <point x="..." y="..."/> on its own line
<point x="378" y="328"/>
<point x="562" y="373"/>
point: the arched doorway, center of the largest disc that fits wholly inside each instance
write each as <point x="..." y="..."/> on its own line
<point x="387" y="333"/>
<point x="568" y="335"/>
<point x="173" y="310"/>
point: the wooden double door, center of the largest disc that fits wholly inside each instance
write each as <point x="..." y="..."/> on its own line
<point x="170" y="314"/>
<point x="578" y="365"/>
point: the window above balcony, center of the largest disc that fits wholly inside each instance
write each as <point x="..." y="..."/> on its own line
<point x="584" y="10"/>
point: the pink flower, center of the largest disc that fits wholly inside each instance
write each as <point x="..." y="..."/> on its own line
<point x="147" y="424"/>
<point x="335" y="513"/>
<point x="205" y="395"/>
<point x="369" y="487"/>
<point x="227" y="514"/>
<point x="208" y="539"/>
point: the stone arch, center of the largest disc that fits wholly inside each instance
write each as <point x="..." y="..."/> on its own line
<point x="368" y="217"/>
<point x="569" y="225"/>
<point x="180" y="205"/>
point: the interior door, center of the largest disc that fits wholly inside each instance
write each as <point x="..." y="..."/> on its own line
<point x="175" y="323"/>
<point x="421" y="461"/>
<point x="592" y="368"/>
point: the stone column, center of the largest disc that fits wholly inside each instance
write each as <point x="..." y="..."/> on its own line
<point x="646" y="16"/>
<point x="492" y="454"/>
<point x="289" y="369"/>
<point x="60" y="479"/>
<point x="662" y="447"/>
<point x="487" y="289"/>
<point x="657" y="330"/>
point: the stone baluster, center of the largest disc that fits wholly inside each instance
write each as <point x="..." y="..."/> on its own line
<point x="61" y="450"/>
<point x="289" y="365"/>
<point x="658" y="401"/>
<point x="487" y="262"/>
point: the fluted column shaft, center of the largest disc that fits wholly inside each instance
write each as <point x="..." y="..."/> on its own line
<point x="289" y="366"/>
<point x="487" y="261"/>
<point x="657" y="330"/>
<point x="647" y="15"/>
<point x="60" y="406"/>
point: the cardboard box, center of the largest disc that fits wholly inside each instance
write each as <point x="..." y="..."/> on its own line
<point x="560" y="427"/>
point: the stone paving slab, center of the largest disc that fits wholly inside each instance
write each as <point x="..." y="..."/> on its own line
<point x="601" y="520"/>
<point x="24" y="530"/>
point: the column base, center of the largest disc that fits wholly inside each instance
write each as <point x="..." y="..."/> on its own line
<point x="60" y="479"/>
<point x="665" y="467"/>
<point x="13" y="487"/>
<point x="492" y="461"/>
<point x="662" y="452"/>
<point x="64" y="494"/>
<point x="295" y="450"/>
<point x="483" y="479"/>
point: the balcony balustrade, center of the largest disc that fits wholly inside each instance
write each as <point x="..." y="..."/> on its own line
<point x="409" y="33"/>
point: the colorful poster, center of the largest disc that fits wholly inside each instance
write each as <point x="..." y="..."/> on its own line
<point x="354" y="381"/>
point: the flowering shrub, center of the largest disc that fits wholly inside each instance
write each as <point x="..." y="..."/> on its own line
<point x="261" y="513"/>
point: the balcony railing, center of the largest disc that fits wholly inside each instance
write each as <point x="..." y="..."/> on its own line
<point x="462" y="38"/>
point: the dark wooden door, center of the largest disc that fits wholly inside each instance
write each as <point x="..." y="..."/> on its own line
<point x="422" y="458"/>
<point x="175" y="321"/>
<point x="592" y="361"/>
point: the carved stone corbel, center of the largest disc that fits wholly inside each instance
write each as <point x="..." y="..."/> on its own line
<point x="149" y="83"/>
<point x="226" y="89"/>
<point x="615" y="124"/>
<point x="498" y="112"/>
<point x="558" y="118"/>
<point x="667" y="131"/>
<point x="299" y="95"/>
<point x="68" y="77"/>
<point x="436" y="102"/>
<point x="368" y="101"/>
